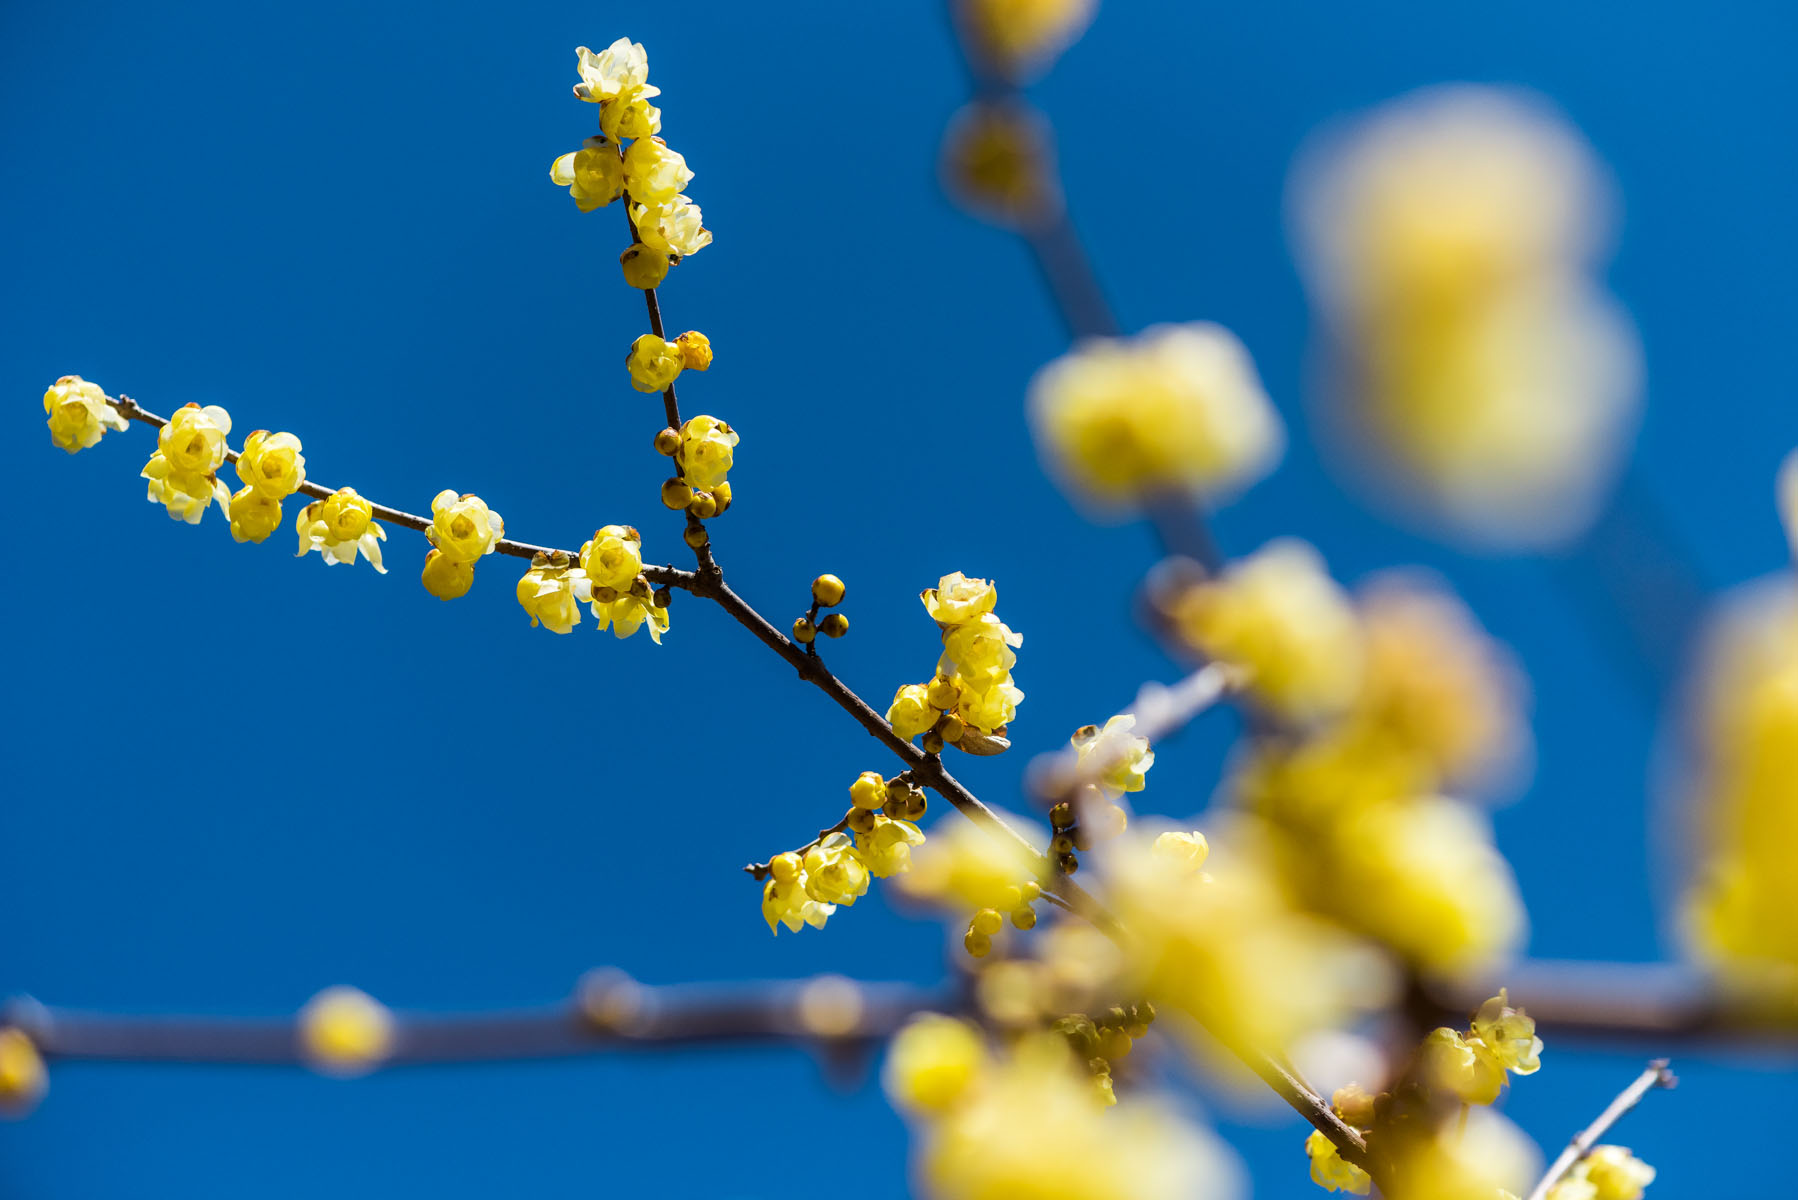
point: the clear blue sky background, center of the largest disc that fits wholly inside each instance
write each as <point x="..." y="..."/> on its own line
<point x="234" y="778"/>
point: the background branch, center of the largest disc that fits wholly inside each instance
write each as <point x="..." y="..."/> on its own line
<point x="1656" y="1076"/>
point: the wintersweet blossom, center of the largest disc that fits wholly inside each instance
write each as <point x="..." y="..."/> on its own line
<point x="654" y="174"/>
<point x="674" y="227"/>
<point x="593" y="175"/>
<point x="835" y="872"/>
<point x="183" y="473"/>
<point x="1608" y="1173"/>
<point x="1330" y="1172"/>
<point x="998" y="160"/>
<point x="345" y="1032"/>
<point x="1121" y="757"/>
<point x="785" y="900"/>
<point x="1020" y="36"/>
<point x="887" y="847"/>
<point x="272" y="464"/>
<point x="1476" y="1159"/>
<point x="446" y="578"/>
<point x="79" y="413"/>
<point x="1179" y="408"/>
<point x="707" y="450"/>
<point x="463" y="527"/>
<point x="613" y="557"/>
<point x="1508" y="1035"/>
<point x="933" y="1062"/>
<point x="254" y="515"/>
<point x="653" y="364"/>
<point x="552" y="592"/>
<point x="620" y="68"/>
<point x="629" y="613"/>
<point x="910" y="713"/>
<point x="23" y="1078"/>
<point x="339" y="527"/>
<point x="956" y="599"/>
<point x="962" y="866"/>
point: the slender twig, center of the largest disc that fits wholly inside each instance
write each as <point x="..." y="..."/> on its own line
<point x="609" y="1012"/>
<point x="1655" y="1076"/>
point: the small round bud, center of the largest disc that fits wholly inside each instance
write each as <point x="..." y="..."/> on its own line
<point x="1010" y="897"/>
<point x="861" y="820"/>
<point x="696" y="536"/>
<point x="676" y="494"/>
<point x="950" y="728"/>
<point x="643" y="268"/>
<point x="1024" y="917"/>
<point x="640" y="587"/>
<point x="869" y="790"/>
<point x="784" y="867"/>
<point x="1113" y="820"/>
<point x="721" y="494"/>
<point x="907" y="806"/>
<point x="1067" y="864"/>
<point x="804" y="631"/>
<point x="1062" y="843"/>
<point x="897" y="788"/>
<point x="695" y="350"/>
<point x="703" y="505"/>
<point x="667" y="441"/>
<point x="978" y="944"/>
<point x="933" y="742"/>
<point x="1062" y="816"/>
<point x="828" y="591"/>
<point x="987" y="921"/>
<point x="1114" y="1044"/>
<point x="661" y="596"/>
<point x="943" y="694"/>
<point x="1143" y="1011"/>
<point x="835" y="625"/>
<point x="1033" y="891"/>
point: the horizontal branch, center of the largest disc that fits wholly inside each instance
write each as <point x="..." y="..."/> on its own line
<point x="1656" y="1076"/>
<point x="609" y="1012"/>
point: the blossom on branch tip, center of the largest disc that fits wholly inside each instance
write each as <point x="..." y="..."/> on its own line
<point x="957" y="599"/>
<point x="785" y="901"/>
<point x="654" y="364"/>
<point x="674" y="227"/>
<point x="254" y="515"/>
<point x="593" y="175"/>
<point x="446" y="578"/>
<point x="835" y="872"/>
<point x="620" y="68"/>
<point x="463" y="527"/>
<point x="345" y="1032"/>
<point x="272" y="464"/>
<point x="79" y="413"/>
<point x="183" y="473"/>
<point x="340" y="526"/>
<point x="552" y="592"/>
<point x="1125" y="756"/>
<point x="1019" y="36"/>
<point x="654" y="174"/>
<point x="1612" y="1172"/>
<point x="707" y="451"/>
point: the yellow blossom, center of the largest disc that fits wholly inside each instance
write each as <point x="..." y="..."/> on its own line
<point x="1175" y="409"/>
<point x="835" y="872"/>
<point x="932" y="1063"/>
<point x="643" y="268"/>
<point x="345" y="1032"/>
<point x="991" y="709"/>
<point x="629" y="613"/>
<point x="1615" y="1173"/>
<point x="1472" y="1160"/>
<point x="621" y="67"/>
<point x="1330" y="1172"/>
<point x="980" y="650"/>
<point x="79" y="413"/>
<point x="23" y="1078"/>
<point x="272" y="464"/>
<point x="1123" y="757"/>
<point x="463" y="527"/>
<point x="674" y="227"/>
<point x="963" y="866"/>
<point x="910" y="713"/>
<point x="631" y="115"/>
<point x="707" y="451"/>
<point x="956" y="599"/>
<point x="886" y="849"/>
<point x="445" y="578"/>
<point x="552" y="593"/>
<point x="654" y="174"/>
<point x="1186" y="851"/>
<point x="997" y="160"/>
<point x="593" y="175"/>
<point x="1280" y="615"/>
<point x="786" y="902"/>
<point x="1458" y="1066"/>
<point x="254" y="515"/>
<point x="1508" y="1035"/>
<point x="613" y="557"/>
<point x="1018" y="36"/>
<point x="189" y="451"/>
<point x="653" y="363"/>
<point x="695" y="350"/>
<point x="340" y="526"/>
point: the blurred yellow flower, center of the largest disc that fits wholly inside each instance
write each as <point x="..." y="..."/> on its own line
<point x="79" y="414"/>
<point x="345" y="1032"/>
<point x="963" y="866"/>
<point x="1019" y="37"/>
<point x="23" y="1077"/>
<point x="932" y="1063"/>
<point x="1330" y="1172"/>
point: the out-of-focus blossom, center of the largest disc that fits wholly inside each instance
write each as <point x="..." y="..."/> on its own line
<point x="965" y="866"/>
<point x="1176" y="409"/>
<point x="1019" y="38"/>
<point x="998" y="161"/>
<point x="933" y="1062"/>
<point x="23" y="1077"/>
<point x="1330" y="1172"/>
<point x="1473" y="1160"/>
<point x="1448" y="240"/>
<point x="1607" y="1173"/>
<point x="345" y="1032"/>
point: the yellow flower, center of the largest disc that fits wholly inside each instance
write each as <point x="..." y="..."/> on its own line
<point x="1458" y="1066"/>
<point x="1475" y="1160"/>
<point x="1020" y="35"/>
<point x="980" y="650"/>
<point x="79" y="413"/>
<point x="910" y="713"/>
<point x="340" y="526"/>
<point x="189" y="451"/>
<point x="998" y="161"/>
<point x="593" y="175"/>
<point x="628" y="613"/>
<point x="707" y="451"/>
<point x="654" y="174"/>
<point x="1124" y="756"/>
<point x="552" y="592"/>
<point x="272" y="464"/>
<point x="695" y="350"/>
<point x="463" y="527"/>
<point x="675" y="227"/>
<point x="613" y="557"/>
<point x="654" y="364"/>
<point x="963" y="866"/>
<point x="643" y="268"/>
<point x="835" y="872"/>
<point x="1330" y="1172"/>
<point x="1508" y="1035"/>
<point x="23" y="1078"/>
<point x="1178" y="408"/>
<point x="445" y="578"/>
<point x="869" y="791"/>
<point x="886" y="848"/>
<point x="1278" y="614"/>
<point x="619" y="68"/>
<point x="956" y="599"/>
<point x="1615" y="1173"/>
<point x="1186" y="851"/>
<point x="786" y="902"/>
<point x="345" y="1032"/>
<point x="932" y="1063"/>
<point x="991" y="709"/>
<point x="631" y="115"/>
<point x="254" y="515"/>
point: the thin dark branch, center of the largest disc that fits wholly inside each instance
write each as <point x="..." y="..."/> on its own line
<point x="1656" y="1076"/>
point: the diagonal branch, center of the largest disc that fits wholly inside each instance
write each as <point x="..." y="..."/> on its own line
<point x="1655" y="1076"/>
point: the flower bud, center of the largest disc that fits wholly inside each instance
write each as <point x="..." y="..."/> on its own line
<point x="828" y="591"/>
<point x="676" y="494"/>
<point x="695" y="350"/>
<point x="861" y="820"/>
<point x="696" y="536"/>
<point x="721" y="494"/>
<point x="667" y="441"/>
<point x="869" y="790"/>
<point x="835" y="625"/>
<point x="703" y="505"/>
<point x="643" y="268"/>
<point x="804" y="631"/>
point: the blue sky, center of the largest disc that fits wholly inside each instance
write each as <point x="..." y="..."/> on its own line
<point x="237" y="777"/>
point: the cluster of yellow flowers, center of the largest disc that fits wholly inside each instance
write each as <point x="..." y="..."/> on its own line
<point x="805" y="886"/>
<point x="647" y="174"/>
<point x="79" y="413"/>
<point x="1388" y="700"/>
<point x="703" y="450"/>
<point x="655" y="364"/>
<point x="463" y="531"/>
<point x="971" y="699"/>
<point x="1449" y="241"/>
<point x="966" y="868"/>
<point x="608" y="578"/>
<point x="1027" y="1123"/>
<point x="183" y="473"/>
<point x="1108" y="763"/>
<point x="272" y="469"/>
<point x="1177" y="409"/>
<point x="1607" y="1173"/>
